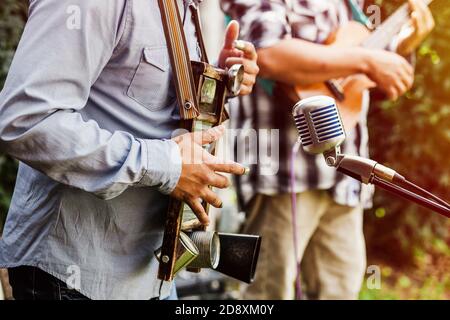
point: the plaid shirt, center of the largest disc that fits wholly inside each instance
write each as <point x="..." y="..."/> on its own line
<point x="265" y="23"/>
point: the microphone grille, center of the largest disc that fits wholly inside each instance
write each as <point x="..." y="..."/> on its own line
<point x="319" y="124"/>
<point x="303" y="129"/>
<point x="327" y="123"/>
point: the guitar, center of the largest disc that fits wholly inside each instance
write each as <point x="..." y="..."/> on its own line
<point x="349" y="91"/>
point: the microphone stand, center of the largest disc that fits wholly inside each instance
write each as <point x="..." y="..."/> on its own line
<point x="370" y="172"/>
<point x="411" y="196"/>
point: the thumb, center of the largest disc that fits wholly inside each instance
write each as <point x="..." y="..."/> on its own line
<point x="231" y="35"/>
<point x="208" y="136"/>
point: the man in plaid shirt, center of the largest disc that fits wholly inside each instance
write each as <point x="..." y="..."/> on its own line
<point x="289" y="37"/>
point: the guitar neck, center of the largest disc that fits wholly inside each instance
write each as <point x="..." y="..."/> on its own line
<point x="383" y="35"/>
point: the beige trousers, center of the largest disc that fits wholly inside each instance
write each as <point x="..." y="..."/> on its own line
<point x="330" y="242"/>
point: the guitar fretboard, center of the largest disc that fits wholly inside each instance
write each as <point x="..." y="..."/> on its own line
<point x="383" y="35"/>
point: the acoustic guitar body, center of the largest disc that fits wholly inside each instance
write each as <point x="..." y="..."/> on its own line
<point x="353" y="87"/>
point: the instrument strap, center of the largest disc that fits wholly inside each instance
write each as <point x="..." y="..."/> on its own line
<point x="359" y="15"/>
<point x="179" y="58"/>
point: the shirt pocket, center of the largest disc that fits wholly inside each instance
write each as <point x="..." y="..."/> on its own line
<point x="151" y="85"/>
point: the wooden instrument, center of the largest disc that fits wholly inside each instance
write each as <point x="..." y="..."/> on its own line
<point x="202" y="90"/>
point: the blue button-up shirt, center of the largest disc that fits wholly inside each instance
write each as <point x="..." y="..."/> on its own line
<point x="88" y="108"/>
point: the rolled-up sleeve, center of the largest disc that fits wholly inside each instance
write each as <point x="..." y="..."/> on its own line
<point x="263" y="22"/>
<point x="63" y="50"/>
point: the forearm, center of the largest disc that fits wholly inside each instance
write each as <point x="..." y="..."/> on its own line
<point x="41" y="123"/>
<point x="80" y="154"/>
<point x="295" y="61"/>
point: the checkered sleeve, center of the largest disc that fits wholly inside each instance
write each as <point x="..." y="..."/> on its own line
<point x="263" y="22"/>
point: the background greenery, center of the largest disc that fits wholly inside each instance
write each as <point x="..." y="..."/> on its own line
<point x="411" y="245"/>
<point x="413" y="136"/>
<point x="12" y="16"/>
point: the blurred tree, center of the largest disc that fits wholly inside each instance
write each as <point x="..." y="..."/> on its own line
<point x="13" y="14"/>
<point x="412" y="135"/>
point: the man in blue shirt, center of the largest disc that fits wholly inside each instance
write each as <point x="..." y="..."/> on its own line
<point x="89" y="109"/>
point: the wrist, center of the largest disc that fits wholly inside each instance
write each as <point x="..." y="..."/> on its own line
<point x="164" y="165"/>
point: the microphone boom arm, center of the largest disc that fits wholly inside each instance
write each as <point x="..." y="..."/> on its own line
<point x="371" y="172"/>
<point x="411" y="196"/>
<point x="360" y="168"/>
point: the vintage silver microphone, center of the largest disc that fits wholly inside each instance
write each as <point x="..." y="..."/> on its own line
<point x="322" y="132"/>
<point x="319" y="124"/>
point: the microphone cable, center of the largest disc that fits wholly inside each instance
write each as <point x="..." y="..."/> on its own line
<point x="298" y="279"/>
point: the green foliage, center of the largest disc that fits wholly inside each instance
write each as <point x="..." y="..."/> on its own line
<point x="413" y="283"/>
<point x="412" y="135"/>
<point x="12" y="17"/>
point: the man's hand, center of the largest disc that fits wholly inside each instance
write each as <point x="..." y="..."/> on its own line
<point x="391" y="73"/>
<point x="420" y="26"/>
<point x="199" y="171"/>
<point x="234" y="52"/>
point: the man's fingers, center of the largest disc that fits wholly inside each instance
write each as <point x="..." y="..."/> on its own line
<point x="231" y="35"/>
<point x="210" y="197"/>
<point x="415" y="22"/>
<point x="408" y="82"/>
<point x="203" y="137"/>
<point x="228" y="167"/>
<point x="232" y="168"/>
<point x="231" y="61"/>
<point x="249" y="80"/>
<point x="407" y="79"/>
<point x="224" y="166"/>
<point x="247" y="48"/>
<point x="405" y="73"/>
<point x="428" y="19"/>
<point x="197" y="208"/>
<point x="245" y="90"/>
<point x="418" y="7"/>
<point x="413" y="5"/>
<point x="401" y="87"/>
<point x="219" y="181"/>
<point x="392" y="94"/>
<point x="419" y="20"/>
<point x="208" y="136"/>
<point x="407" y="67"/>
<point x="235" y="53"/>
<point x="251" y="71"/>
<point x="250" y="66"/>
<point x="425" y="20"/>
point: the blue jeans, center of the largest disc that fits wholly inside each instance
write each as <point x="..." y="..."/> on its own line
<point x="31" y="283"/>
